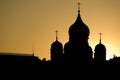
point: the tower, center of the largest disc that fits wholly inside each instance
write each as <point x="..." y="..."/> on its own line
<point x="100" y="52"/>
<point x="56" y="50"/>
<point x="77" y="49"/>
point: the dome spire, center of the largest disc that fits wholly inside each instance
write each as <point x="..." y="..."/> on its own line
<point x="78" y="29"/>
<point x="78" y="7"/>
<point x="100" y="36"/>
<point x="33" y="51"/>
<point x="56" y="35"/>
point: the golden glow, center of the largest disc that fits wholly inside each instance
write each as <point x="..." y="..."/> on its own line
<point x="25" y="23"/>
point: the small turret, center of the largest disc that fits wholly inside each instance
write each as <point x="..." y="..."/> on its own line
<point x="56" y="50"/>
<point x="100" y="52"/>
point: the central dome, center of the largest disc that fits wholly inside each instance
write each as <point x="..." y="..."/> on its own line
<point x="79" y="29"/>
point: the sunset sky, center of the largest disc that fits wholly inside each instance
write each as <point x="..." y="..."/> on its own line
<point x="28" y="24"/>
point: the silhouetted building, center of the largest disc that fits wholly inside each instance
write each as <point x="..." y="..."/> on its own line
<point x="77" y="49"/>
<point x="56" y="51"/>
<point x="76" y="57"/>
<point x="17" y="58"/>
<point x="100" y="53"/>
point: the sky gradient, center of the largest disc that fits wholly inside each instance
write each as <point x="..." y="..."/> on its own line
<point x="27" y="25"/>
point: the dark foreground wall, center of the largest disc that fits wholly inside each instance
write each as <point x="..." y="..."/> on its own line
<point x="31" y="67"/>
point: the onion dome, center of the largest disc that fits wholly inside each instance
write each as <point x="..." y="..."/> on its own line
<point x="56" y="45"/>
<point x="78" y="28"/>
<point x="100" y="47"/>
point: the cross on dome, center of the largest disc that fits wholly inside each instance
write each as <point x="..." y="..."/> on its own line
<point x="78" y="7"/>
<point x="100" y="36"/>
<point x="56" y="35"/>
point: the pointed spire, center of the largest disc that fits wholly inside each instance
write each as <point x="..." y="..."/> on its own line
<point x="56" y="35"/>
<point x="79" y="17"/>
<point x="80" y="26"/>
<point x="78" y="7"/>
<point x="100" y="37"/>
<point x="33" y="51"/>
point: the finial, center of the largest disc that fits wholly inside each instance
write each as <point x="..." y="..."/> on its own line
<point x="100" y="37"/>
<point x="56" y="35"/>
<point x="78" y="7"/>
<point x="33" y="51"/>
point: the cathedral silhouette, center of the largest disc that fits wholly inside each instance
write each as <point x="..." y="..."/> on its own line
<point x="77" y="50"/>
<point x="74" y="60"/>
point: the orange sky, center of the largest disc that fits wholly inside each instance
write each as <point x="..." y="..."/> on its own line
<point x="28" y="23"/>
